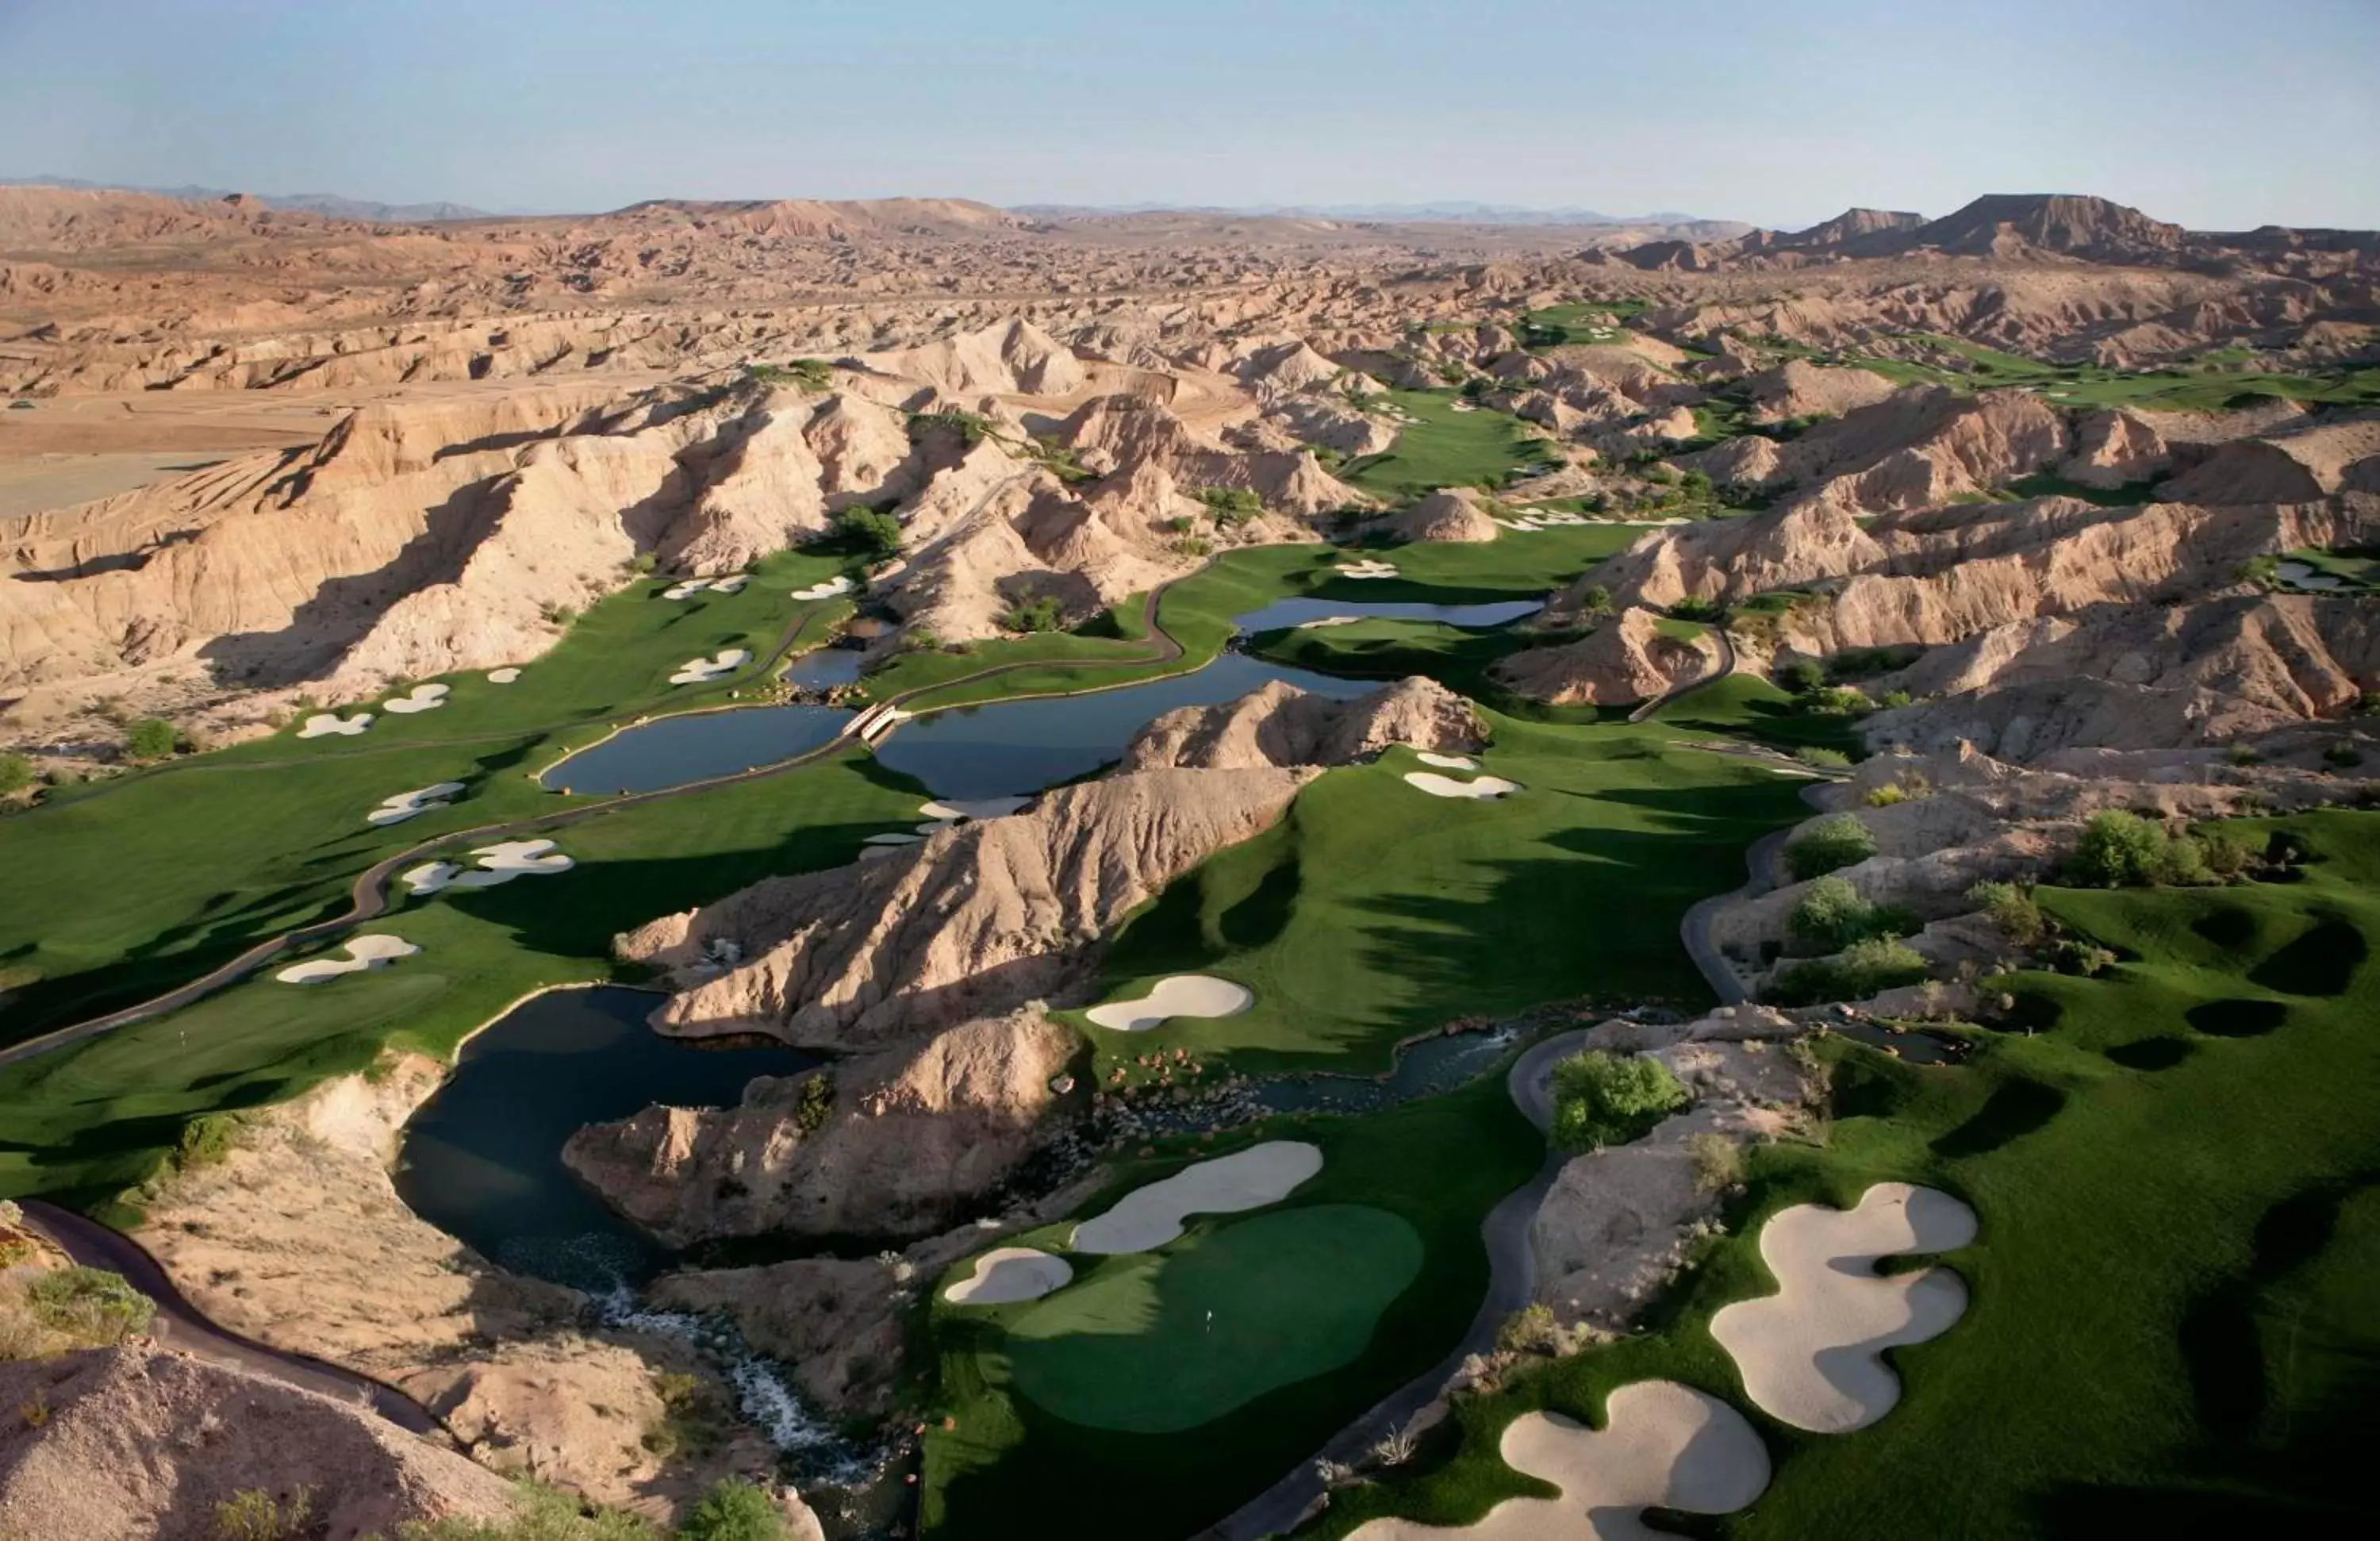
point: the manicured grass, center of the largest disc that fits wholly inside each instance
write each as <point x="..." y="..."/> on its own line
<point x="2216" y="380"/>
<point x="1010" y="1468"/>
<point x="87" y="1121"/>
<point x="1442" y="447"/>
<point x="1376" y="911"/>
<point x="1457" y="656"/>
<point x="1160" y="1342"/>
<point x="1587" y="320"/>
<point x="134" y="885"/>
<point x="1747" y="706"/>
<point x="2175" y="1317"/>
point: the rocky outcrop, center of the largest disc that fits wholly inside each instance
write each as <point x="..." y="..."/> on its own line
<point x="916" y="1135"/>
<point x="1281" y="725"/>
<point x="2297" y="466"/>
<point x="1626" y="659"/>
<point x="974" y="921"/>
<point x="1798" y="388"/>
<point x="1013" y="358"/>
<point x="298" y="1239"/>
<point x="1449" y="514"/>
<point x="139" y="1444"/>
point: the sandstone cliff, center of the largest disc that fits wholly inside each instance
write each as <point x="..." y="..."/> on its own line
<point x="1625" y="658"/>
<point x="1281" y="725"/>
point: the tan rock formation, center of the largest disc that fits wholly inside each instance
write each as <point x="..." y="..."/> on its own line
<point x="974" y="921"/>
<point x="1625" y="658"/>
<point x="139" y="1444"/>
<point x="1281" y="725"/>
<point x="1449" y="514"/>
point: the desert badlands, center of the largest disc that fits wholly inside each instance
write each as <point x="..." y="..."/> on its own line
<point x="1172" y="874"/>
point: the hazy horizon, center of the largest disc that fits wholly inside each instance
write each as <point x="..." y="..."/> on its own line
<point x="1748" y="113"/>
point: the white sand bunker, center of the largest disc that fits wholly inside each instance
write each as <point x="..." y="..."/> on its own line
<point x="1008" y="1274"/>
<point x="363" y="953"/>
<point x="406" y="804"/>
<point x="1447" y="786"/>
<point x="503" y="676"/>
<point x="1182" y="995"/>
<point x="1367" y="568"/>
<point x="1327" y="621"/>
<point x="981" y="808"/>
<point x="498" y="864"/>
<point x="731" y="583"/>
<point x="1811" y="1354"/>
<point x="694" y="671"/>
<point x="1151" y="1217"/>
<point x="686" y="589"/>
<point x="1447" y="762"/>
<point x="896" y="838"/>
<point x="826" y="590"/>
<point x="324" y="724"/>
<point x="424" y="697"/>
<point x="1662" y="1443"/>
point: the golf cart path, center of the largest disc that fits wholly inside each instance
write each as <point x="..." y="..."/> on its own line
<point x="180" y="1325"/>
<point x="1511" y="1281"/>
<point x="1760" y="861"/>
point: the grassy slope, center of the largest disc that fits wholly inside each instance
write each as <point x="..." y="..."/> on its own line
<point x="2171" y="1315"/>
<point x="242" y="843"/>
<point x="1442" y="447"/>
<point x="1008" y="1469"/>
<point x="88" y="1121"/>
<point x="1377" y="911"/>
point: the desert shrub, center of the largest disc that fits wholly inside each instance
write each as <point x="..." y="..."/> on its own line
<point x="540" y="1514"/>
<point x="1833" y="842"/>
<point x="206" y="1140"/>
<point x="1886" y="795"/>
<point x="151" y="738"/>
<point x="1694" y="608"/>
<point x="1833" y="915"/>
<point x="253" y="1514"/>
<point x="1718" y="1162"/>
<point x="2012" y="909"/>
<point x="1862" y="969"/>
<point x="873" y="533"/>
<point x="1893" y="700"/>
<point x="1603" y="1098"/>
<point x="90" y="1305"/>
<point x="1595" y="599"/>
<point x="1832" y="758"/>
<point x="690" y="1422"/>
<point x="2242" y="754"/>
<point x="1231" y="506"/>
<point x="1834" y="700"/>
<point x="735" y="1510"/>
<point x="1040" y="613"/>
<point x="2342" y="754"/>
<point x="815" y="1104"/>
<point x="1802" y="676"/>
<point x="1531" y="1329"/>
<point x="2117" y="849"/>
<point x="16" y="773"/>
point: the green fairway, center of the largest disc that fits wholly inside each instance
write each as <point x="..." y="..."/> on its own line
<point x="1164" y="1341"/>
<point x="2174" y="1319"/>
<point x="147" y="880"/>
<point x="1007" y="1467"/>
<point x="1444" y="447"/>
<point x="1376" y="911"/>
<point x="2216" y="380"/>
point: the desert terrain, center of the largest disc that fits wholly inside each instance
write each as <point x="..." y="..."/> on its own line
<point x="861" y="857"/>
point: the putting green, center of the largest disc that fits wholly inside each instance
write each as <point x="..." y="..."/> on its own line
<point x="1159" y="1342"/>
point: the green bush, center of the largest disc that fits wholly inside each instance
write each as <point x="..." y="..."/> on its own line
<point x="2342" y="754"/>
<point x="2012" y="909"/>
<point x="1832" y="758"/>
<point x="206" y="1140"/>
<point x="253" y="1514"/>
<point x="1034" y="614"/>
<point x="1802" y="677"/>
<point x="1231" y="506"/>
<point x="735" y="1510"/>
<point x="875" y="534"/>
<point x="151" y="738"/>
<point x="16" y="773"/>
<point x="816" y="1103"/>
<point x="1595" y="601"/>
<point x="1833" y="915"/>
<point x="542" y="1514"/>
<point x="1603" y="1098"/>
<point x="1833" y="842"/>
<point x="91" y="1304"/>
<point x="1694" y="608"/>
<point x="1862" y="969"/>
<point x="2123" y="850"/>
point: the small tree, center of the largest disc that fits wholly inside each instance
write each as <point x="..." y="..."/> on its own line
<point x="2012" y="909"/>
<point x="1603" y="1098"/>
<point x="1802" y="677"/>
<point x="151" y="738"/>
<point x="1041" y="614"/>
<point x="1595" y="601"/>
<point x="16" y="773"/>
<point x="1831" y="915"/>
<point x="2118" y="848"/>
<point x="877" y="535"/>
<point x="1837" y="841"/>
<point x="735" y="1510"/>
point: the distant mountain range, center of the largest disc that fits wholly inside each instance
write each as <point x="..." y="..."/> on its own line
<point x="333" y="204"/>
<point x="1452" y="212"/>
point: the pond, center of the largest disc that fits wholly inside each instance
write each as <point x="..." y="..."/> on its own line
<point x="672" y="751"/>
<point x="481" y="1159"/>
<point x="1298" y="612"/>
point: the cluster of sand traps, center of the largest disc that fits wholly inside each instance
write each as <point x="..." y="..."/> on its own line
<point x="363" y="953"/>
<point x="1446" y="762"/>
<point x="498" y="864"/>
<point x="691" y="587"/>
<point x="424" y="697"/>
<point x="1151" y="1217"/>
<point x="1007" y="1274"/>
<point x="404" y="805"/>
<point x="1182" y="995"/>
<point x="1327" y="621"/>
<point x="1543" y="518"/>
<point x="1662" y="1444"/>
<point x="1369" y="567"/>
<point x="1447" y="786"/>
<point x="695" y="671"/>
<point x="1812" y="1353"/>
<point x="324" y="724"/>
<point x="826" y="590"/>
<point x="503" y="676"/>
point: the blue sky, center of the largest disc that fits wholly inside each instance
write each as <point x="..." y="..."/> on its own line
<point x="2214" y="113"/>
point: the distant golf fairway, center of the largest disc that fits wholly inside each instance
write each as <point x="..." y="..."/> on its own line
<point x="1158" y="1342"/>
